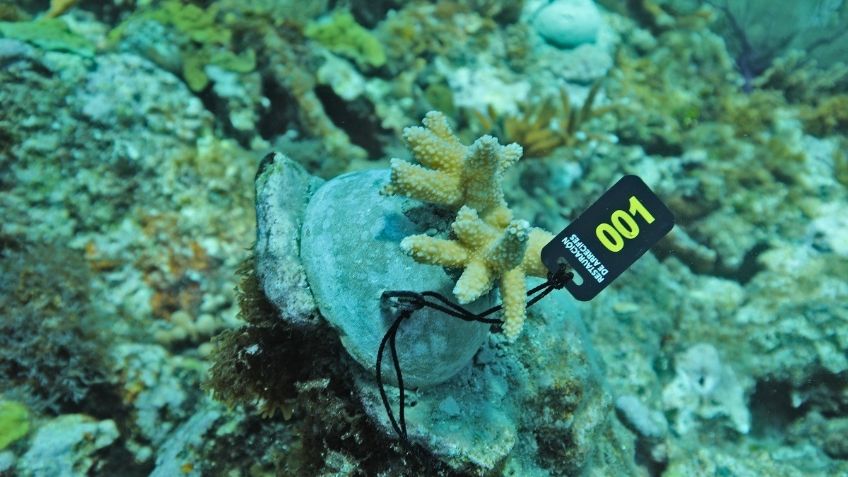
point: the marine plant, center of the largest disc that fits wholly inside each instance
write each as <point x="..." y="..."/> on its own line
<point x="302" y="376"/>
<point x="802" y="81"/>
<point x="51" y="355"/>
<point x="340" y="33"/>
<point x="840" y="162"/>
<point x="543" y="127"/>
<point x="660" y="101"/>
<point x="244" y="369"/>
<point x="440" y="97"/>
<point x="59" y="7"/>
<point x="749" y="114"/>
<point x="811" y="26"/>
<point x="504" y="11"/>
<point x="829" y="116"/>
<point x="288" y="69"/>
<point x="431" y="29"/>
<point x="11" y="13"/>
<point x="487" y="243"/>
<point x="14" y="422"/>
<point x="49" y="34"/>
<point x="203" y="39"/>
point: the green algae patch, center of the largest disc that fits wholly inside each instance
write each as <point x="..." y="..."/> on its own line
<point x="341" y="34"/>
<point x="829" y="117"/>
<point x="194" y="65"/>
<point x="50" y="34"/>
<point x="198" y="24"/>
<point x="203" y="40"/>
<point x="14" y="422"/>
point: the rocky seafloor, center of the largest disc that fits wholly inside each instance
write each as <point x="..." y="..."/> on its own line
<point x="160" y="315"/>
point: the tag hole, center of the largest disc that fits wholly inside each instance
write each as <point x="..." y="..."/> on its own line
<point x="577" y="279"/>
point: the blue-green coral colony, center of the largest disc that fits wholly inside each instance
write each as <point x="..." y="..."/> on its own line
<point x="203" y="201"/>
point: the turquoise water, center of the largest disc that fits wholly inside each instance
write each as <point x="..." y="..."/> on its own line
<point x="204" y="204"/>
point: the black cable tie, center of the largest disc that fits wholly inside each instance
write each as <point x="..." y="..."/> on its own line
<point x="390" y="335"/>
<point x="407" y="302"/>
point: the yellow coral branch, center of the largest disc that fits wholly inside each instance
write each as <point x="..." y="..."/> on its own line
<point x="434" y="251"/>
<point x="450" y="173"/>
<point x="513" y="294"/>
<point x="488" y="244"/>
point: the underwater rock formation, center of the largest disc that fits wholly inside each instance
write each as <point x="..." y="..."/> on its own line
<point x="107" y="229"/>
<point x="67" y="445"/>
<point x="350" y="246"/>
<point x="537" y="405"/>
<point x="349" y="296"/>
<point x="283" y="189"/>
<point x="705" y="388"/>
<point x="525" y="408"/>
<point x="568" y="23"/>
<point x="128" y="213"/>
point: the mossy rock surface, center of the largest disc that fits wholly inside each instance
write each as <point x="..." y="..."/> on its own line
<point x="283" y="189"/>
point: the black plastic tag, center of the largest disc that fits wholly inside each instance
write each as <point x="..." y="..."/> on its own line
<point x="609" y="236"/>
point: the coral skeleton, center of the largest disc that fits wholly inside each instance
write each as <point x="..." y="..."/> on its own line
<point x="487" y="243"/>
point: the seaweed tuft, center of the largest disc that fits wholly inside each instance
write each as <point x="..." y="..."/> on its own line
<point x="544" y="127"/>
<point x="51" y="354"/>
<point x="303" y="378"/>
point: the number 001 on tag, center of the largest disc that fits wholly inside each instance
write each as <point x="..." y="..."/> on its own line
<point x="609" y="236"/>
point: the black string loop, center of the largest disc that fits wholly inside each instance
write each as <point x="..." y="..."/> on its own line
<point x="407" y="302"/>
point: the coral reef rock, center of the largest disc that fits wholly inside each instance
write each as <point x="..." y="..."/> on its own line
<point x="283" y="189"/>
<point x="533" y="407"/>
<point x="568" y="23"/>
<point x="351" y="252"/>
<point x="537" y="406"/>
<point x="706" y="388"/>
<point x="66" y="446"/>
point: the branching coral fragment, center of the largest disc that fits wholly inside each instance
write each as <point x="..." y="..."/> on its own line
<point x="486" y="252"/>
<point x="486" y="242"/>
<point x="450" y="173"/>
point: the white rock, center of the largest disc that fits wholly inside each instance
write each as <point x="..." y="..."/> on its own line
<point x="568" y="23"/>
<point x="484" y="86"/>
<point x="704" y="388"/>
<point x="66" y="446"/>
